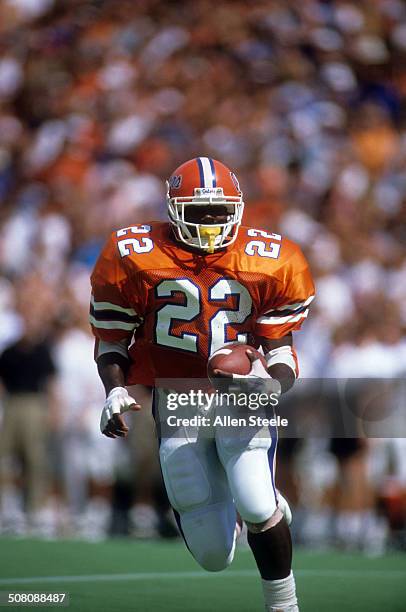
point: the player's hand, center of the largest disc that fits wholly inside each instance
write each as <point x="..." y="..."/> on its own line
<point x="254" y="380"/>
<point x="117" y="402"/>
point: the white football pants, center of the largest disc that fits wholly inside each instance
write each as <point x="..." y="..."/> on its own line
<point x="208" y="478"/>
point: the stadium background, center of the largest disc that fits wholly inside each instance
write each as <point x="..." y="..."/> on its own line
<point x="99" y="102"/>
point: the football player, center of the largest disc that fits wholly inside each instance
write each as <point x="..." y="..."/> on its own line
<point x="166" y="296"/>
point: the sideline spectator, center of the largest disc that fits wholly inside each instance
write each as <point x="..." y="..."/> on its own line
<point x="27" y="373"/>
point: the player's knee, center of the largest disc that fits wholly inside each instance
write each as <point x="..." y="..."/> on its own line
<point x="259" y="526"/>
<point x="209" y="534"/>
<point x="256" y="513"/>
<point x="213" y="550"/>
<point x="215" y="558"/>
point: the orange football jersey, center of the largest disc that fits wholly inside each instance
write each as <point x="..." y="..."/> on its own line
<point x="179" y="306"/>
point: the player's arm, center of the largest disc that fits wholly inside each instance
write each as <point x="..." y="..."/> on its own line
<point x="113" y="321"/>
<point x="112" y="365"/>
<point x="281" y="360"/>
<point x="284" y="312"/>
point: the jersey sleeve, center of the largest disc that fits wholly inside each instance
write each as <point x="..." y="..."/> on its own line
<point x="113" y="317"/>
<point x="285" y="310"/>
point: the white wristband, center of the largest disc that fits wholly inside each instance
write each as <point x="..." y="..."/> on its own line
<point x="282" y="354"/>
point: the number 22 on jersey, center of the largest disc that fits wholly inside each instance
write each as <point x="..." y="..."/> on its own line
<point x="191" y="309"/>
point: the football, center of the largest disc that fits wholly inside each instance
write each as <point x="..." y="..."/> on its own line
<point x="232" y="358"/>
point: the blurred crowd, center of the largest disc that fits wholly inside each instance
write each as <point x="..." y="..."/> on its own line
<point x="101" y="100"/>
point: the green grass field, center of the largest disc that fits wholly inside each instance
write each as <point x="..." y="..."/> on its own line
<point x="140" y="576"/>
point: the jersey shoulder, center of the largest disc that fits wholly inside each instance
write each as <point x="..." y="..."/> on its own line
<point x="139" y="246"/>
<point x="267" y="251"/>
<point x="158" y="231"/>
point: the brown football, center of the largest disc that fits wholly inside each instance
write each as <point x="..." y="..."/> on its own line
<point x="232" y="358"/>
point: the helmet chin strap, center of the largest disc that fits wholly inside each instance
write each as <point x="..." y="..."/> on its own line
<point x="210" y="232"/>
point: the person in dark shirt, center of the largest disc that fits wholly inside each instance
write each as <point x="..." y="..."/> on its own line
<point x="26" y="367"/>
<point x="26" y="374"/>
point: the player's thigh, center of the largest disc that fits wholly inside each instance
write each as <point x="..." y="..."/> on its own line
<point x="192" y="473"/>
<point x="249" y="461"/>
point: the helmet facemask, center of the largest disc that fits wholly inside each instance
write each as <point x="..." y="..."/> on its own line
<point x="205" y="237"/>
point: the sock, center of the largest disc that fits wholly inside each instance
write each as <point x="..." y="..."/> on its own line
<point x="280" y="595"/>
<point x="272" y="550"/>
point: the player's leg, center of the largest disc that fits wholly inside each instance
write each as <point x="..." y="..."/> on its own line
<point x="250" y="468"/>
<point x="198" y="491"/>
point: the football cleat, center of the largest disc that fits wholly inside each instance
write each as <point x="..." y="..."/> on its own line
<point x="205" y="204"/>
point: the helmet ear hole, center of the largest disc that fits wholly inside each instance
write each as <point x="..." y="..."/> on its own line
<point x="204" y="182"/>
